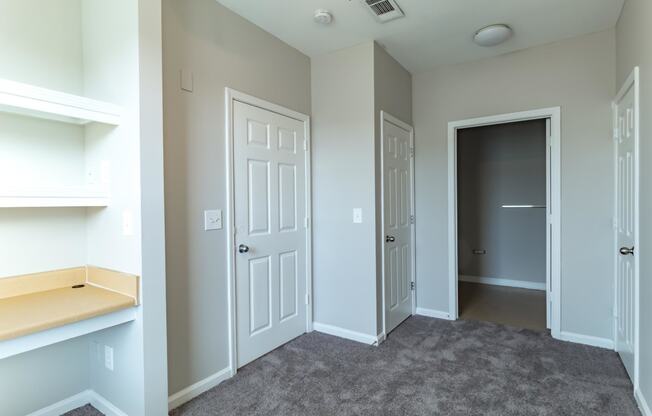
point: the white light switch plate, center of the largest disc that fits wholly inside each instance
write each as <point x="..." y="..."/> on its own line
<point x="357" y="215"/>
<point x="212" y="219"/>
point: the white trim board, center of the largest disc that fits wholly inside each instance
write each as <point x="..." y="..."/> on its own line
<point x="642" y="403"/>
<point x="431" y="313"/>
<point x="202" y="386"/>
<point x="553" y="185"/>
<point x="231" y="96"/>
<point x="77" y="401"/>
<point x="586" y="340"/>
<point x="495" y="281"/>
<point x="336" y="331"/>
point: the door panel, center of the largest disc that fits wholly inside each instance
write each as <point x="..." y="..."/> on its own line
<point x="397" y="211"/>
<point x="626" y="189"/>
<point x="270" y="233"/>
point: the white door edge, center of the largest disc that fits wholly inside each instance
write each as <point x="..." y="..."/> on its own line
<point x="384" y="116"/>
<point x="231" y="96"/>
<point x="632" y="81"/>
<point x="553" y="273"/>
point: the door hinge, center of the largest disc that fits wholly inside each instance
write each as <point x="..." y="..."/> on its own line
<point x="305" y="145"/>
<point x="411" y="151"/>
<point x="306" y="222"/>
<point x="412" y="285"/>
<point x="412" y="220"/>
<point x="616" y="134"/>
<point x="307" y="298"/>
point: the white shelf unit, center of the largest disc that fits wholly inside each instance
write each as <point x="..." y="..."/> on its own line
<point x="54" y="197"/>
<point x="33" y="101"/>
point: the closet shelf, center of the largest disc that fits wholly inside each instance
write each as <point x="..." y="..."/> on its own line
<point x="33" y="101"/>
<point x="53" y="197"/>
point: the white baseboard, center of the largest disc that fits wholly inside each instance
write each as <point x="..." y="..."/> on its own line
<point x="494" y="281"/>
<point x="190" y="392"/>
<point x="104" y="406"/>
<point x="433" y="313"/>
<point x="345" y="333"/>
<point x="77" y="401"/>
<point x="642" y="403"/>
<point x="587" y="340"/>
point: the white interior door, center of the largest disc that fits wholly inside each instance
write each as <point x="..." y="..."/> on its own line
<point x="626" y="131"/>
<point x="397" y="223"/>
<point x="270" y="232"/>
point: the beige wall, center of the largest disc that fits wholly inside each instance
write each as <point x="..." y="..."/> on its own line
<point x="343" y="178"/>
<point x="634" y="48"/>
<point x="222" y="50"/>
<point x="576" y="74"/>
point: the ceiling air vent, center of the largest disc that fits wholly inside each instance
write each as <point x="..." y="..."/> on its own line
<point x="384" y="10"/>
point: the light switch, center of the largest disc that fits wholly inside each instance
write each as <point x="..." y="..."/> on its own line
<point x="212" y="219"/>
<point x="187" y="81"/>
<point x="127" y="223"/>
<point x="357" y="215"/>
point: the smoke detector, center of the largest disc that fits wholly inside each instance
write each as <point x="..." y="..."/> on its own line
<point x="323" y="17"/>
<point x="384" y="10"/>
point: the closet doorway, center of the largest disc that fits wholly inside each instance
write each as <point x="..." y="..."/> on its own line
<point x="504" y="219"/>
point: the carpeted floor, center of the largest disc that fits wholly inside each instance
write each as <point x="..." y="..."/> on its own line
<point x="426" y="367"/>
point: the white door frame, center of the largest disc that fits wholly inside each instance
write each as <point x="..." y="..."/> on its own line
<point x="633" y="81"/>
<point x="231" y="96"/>
<point x="384" y="116"/>
<point x="553" y="247"/>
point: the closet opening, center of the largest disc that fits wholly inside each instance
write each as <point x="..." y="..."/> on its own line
<point x="504" y="216"/>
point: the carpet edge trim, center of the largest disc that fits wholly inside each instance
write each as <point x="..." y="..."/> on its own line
<point x="202" y="386"/>
<point x="642" y="403"/>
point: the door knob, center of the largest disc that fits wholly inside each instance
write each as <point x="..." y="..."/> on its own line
<point x="626" y="251"/>
<point x="243" y="248"/>
<point x="390" y="239"/>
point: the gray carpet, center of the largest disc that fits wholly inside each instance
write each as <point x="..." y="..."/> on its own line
<point x="426" y="367"/>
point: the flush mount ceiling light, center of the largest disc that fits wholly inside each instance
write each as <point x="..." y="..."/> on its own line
<point x="323" y="17"/>
<point x="493" y="35"/>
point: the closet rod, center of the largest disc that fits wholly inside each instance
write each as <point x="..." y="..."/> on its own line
<point x="524" y="206"/>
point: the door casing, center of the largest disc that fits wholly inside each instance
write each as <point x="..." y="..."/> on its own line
<point x="232" y="96"/>
<point x="633" y="81"/>
<point x="384" y="116"/>
<point x="553" y="246"/>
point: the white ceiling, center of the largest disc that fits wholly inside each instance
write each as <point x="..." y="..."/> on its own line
<point x="433" y="32"/>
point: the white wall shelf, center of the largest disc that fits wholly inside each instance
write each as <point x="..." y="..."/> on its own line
<point x="53" y="197"/>
<point x="29" y="100"/>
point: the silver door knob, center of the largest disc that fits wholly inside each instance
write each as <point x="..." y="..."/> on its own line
<point x="390" y="239"/>
<point x="243" y="248"/>
<point x="626" y="251"/>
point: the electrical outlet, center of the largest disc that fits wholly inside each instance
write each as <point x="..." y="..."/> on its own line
<point x="213" y="219"/>
<point x="357" y="215"/>
<point x="108" y="358"/>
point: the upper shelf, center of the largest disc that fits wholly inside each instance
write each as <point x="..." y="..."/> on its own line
<point x="29" y="100"/>
<point x="53" y="197"/>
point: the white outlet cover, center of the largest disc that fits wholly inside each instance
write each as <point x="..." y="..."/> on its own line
<point x="212" y="219"/>
<point x="108" y="357"/>
<point x="357" y="215"/>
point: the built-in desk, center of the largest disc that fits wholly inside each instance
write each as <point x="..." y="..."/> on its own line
<point x="32" y="307"/>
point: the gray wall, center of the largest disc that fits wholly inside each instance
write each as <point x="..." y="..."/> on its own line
<point x="502" y="165"/>
<point x="343" y="175"/>
<point x="222" y="49"/>
<point x="392" y="94"/>
<point x="633" y="35"/>
<point x="576" y="74"/>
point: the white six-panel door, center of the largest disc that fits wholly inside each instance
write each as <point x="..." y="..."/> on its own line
<point x="270" y="230"/>
<point x="397" y="212"/>
<point x="626" y="130"/>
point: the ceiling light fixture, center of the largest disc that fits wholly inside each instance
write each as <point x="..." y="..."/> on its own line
<point x="493" y="35"/>
<point x="323" y="17"/>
